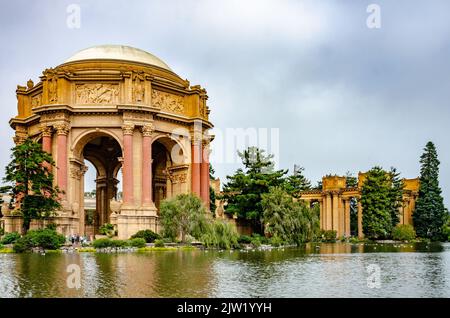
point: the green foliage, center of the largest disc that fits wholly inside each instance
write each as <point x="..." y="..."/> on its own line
<point x="137" y="242"/>
<point x="244" y="239"/>
<point x="220" y="234"/>
<point x="296" y="182"/>
<point x="89" y="216"/>
<point x="51" y="226"/>
<point x="159" y="243"/>
<point x="107" y="242"/>
<point x="329" y="236"/>
<point x="30" y="180"/>
<point x="107" y="229"/>
<point x="10" y="238"/>
<point x="185" y="215"/>
<point x="395" y="195"/>
<point x="292" y="222"/>
<point x="148" y="235"/>
<point x="403" y="232"/>
<point x="430" y="214"/>
<point x="381" y="196"/>
<point x="45" y="238"/>
<point x="243" y="190"/>
<point x="446" y="229"/>
<point x="212" y="193"/>
<point x="256" y="242"/>
<point x="2" y="231"/>
<point x="350" y="180"/>
<point x="276" y="241"/>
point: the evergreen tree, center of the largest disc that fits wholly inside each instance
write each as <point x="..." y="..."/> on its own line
<point x="31" y="182"/>
<point x="212" y="193"/>
<point x="430" y="213"/>
<point x="243" y="190"/>
<point x="350" y="180"/>
<point x="297" y="182"/>
<point x="396" y="195"/>
<point x="376" y="204"/>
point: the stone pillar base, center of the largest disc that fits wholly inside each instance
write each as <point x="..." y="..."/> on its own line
<point x="129" y="224"/>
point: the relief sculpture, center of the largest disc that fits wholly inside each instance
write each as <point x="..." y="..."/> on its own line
<point x="168" y="102"/>
<point x="97" y="93"/>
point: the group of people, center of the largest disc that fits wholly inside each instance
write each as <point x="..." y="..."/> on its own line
<point x="76" y="239"/>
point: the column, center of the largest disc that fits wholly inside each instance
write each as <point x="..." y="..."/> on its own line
<point x="204" y="175"/>
<point x="336" y="212"/>
<point x="321" y="213"/>
<point x="360" y="226"/>
<point x="347" y="203"/>
<point x="329" y="220"/>
<point x="341" y="216"/>
<point x="196" y="149"/>
<point x="127" y="169"/>
<point x="46" y="138"/>
<point x="62" y="130"/>
<point x="147" y="131"/>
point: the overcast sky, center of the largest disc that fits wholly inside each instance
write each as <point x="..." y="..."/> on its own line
<point x="345" y="97"/>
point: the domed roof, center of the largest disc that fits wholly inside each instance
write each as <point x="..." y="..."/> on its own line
<point x="117" y="52"/>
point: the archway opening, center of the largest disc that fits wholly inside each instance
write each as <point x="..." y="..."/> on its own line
<point x="102" y="155"/>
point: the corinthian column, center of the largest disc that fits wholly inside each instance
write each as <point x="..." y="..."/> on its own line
<point x="127" y="169"/>
<point x="46" y="138"/>
<point x="196" y="149"/>
<point x="204" y="174"/>
<point x="62" y="130"/>
<point x="147" y="131"/>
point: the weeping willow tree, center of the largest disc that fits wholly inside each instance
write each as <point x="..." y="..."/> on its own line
<point x="292" y="222"/>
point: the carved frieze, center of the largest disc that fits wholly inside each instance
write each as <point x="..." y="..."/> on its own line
<point x="97" y="93"/>
<point x="178" y="178"/>
<point x="36" y="101"/>
<point x="167" y="102"/>
<point x="148" y="129"/>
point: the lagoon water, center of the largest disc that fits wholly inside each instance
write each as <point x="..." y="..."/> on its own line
<point x="315" y="270"/>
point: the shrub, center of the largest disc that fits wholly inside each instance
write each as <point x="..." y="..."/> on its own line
<point x="256" y="242"/>
<point x="2" y="231"/>
<point x="403" y="232"/>
<point x="107" y="229"/>
<point x="23" y="244"/>
<point x="329" y="236"/>
<point x="159" y="243"/>
<point x="46" y="238"/>
<point x="446" y="230"/>
<point x="1" y="246"/>
<point x="107" y="242"/>
<point x="10" y="238"/>
<point x="137" y="242"/>
<point x="244" y="239"/>
<point x="220" y="234"/>
<point x="276" y="241"/>
<point x="148" y="235"/>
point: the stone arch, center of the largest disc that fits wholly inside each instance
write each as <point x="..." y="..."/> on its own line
<point x="84" y="138"/>
<point x="169" y="142"/>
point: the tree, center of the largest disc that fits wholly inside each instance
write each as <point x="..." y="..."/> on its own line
<point x="183" y="215"/>
<point x="244" y="189"/>
<point x="376" y="204"/>
<point x="30" y="180"/>
<point x="212" y="193"/>
<point x="292" y="222"/>
<point x="297" y="182"/>
<point x="350" y="180"/>
<point x="430" y="214"/>
<point x="395" y="195"/>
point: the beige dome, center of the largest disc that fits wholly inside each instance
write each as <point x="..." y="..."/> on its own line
<point x="117" y="52"/>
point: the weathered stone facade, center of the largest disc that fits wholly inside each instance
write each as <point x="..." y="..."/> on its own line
<point x="119" y="108"/>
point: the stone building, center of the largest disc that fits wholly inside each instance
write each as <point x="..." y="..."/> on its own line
<point x="120" y="108"/>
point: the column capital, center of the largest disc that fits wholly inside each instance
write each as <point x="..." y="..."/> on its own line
<point x="46" y="131"/>
<point x="62" y="128"/>
<point x="128" y="128"/>
<point x="148" y="129"/>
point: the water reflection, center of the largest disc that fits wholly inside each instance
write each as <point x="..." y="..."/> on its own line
<point x="312" y="270"/>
